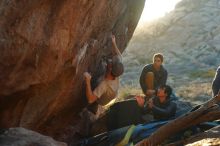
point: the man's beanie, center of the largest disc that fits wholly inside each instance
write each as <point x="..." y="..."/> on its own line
<point x="117" y="66"/>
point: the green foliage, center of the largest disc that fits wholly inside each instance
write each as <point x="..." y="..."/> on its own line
<point x="203" y="74"/>
<point x="144" y="60"/>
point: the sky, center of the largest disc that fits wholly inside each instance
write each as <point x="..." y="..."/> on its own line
<point x="155" y="9"/>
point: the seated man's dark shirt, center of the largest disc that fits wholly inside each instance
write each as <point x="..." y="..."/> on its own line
<point x="160" y="77"/>
<point x="163" y="111"/>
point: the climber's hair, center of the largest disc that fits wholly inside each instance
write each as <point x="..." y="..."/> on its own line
<point x="168" y="90"/>
<point x="158" y="55"/>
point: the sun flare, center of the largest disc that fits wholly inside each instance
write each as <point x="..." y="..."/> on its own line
<point x="155" y="9"/>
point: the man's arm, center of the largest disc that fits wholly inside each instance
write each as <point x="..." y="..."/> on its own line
<point x="142" y="80"/>
<point x="140" y="101"/>
<point x="164" y="78"/>
<point x="216" y="82"/>
<point x="89" y="94"/>
<point x="142" y="104"/>
<point x="115" y="50"/>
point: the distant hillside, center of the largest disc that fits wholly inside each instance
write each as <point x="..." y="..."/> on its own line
<point x="189" y="37"/>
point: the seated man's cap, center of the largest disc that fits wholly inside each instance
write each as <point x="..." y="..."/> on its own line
<point x="117" y="66"/>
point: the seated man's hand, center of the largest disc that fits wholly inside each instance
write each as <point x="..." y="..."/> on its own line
<point x="140" y="100"/>
<point x="150" y="103"/>
<point x="87" y="76"/>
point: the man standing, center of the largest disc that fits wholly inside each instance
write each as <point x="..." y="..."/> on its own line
<point x="153" y="75"/>
<point x="105" y="91"/>
<point x="108" y="88"/>
<point x="216" y="82"/>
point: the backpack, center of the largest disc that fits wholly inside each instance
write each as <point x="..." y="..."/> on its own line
<point x="123" y="113"/>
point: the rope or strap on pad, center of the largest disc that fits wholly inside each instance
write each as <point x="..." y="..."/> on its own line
<point x="125" y="140"/>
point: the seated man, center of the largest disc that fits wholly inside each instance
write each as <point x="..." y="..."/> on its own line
<point x="108" y="88"/>
<point x="153" y="75"/>
<point x="131" y="111"/>
<point x="161" y="107"/>
<point x="216" y="82"/>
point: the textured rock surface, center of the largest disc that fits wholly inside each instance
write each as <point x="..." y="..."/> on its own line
<point x="46" y="45"/>
<point x="24" y="137"/>
<point x="209" y="137"/>
<point x="189" y="38"/>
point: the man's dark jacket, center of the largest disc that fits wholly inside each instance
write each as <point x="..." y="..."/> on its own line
<point x="163" y="111"/>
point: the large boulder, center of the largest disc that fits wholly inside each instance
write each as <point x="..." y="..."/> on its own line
<point x="46" y="45"/>
<point x="23" y="137"/>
